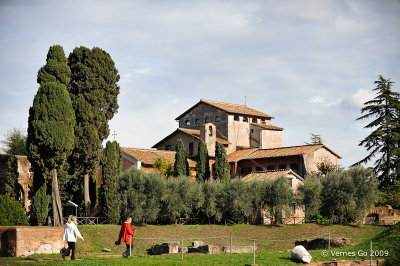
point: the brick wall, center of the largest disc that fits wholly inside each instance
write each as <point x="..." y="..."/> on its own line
<point x="25" y="240"/>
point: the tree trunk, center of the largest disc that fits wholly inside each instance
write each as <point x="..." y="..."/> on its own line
<point x="56" y="200"/>
<point x="88" y="204"/>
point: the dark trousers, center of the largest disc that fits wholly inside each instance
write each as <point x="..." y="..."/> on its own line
<point x="127" y="251"/>
<point x="71" y="247"/>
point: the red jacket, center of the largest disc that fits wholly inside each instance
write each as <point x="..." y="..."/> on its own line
<point x="126" y="233"/>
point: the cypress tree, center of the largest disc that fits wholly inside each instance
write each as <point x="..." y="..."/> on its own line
<point x="181" y="166"/>
<point x="222" y="169"/>
<point x="384" y="141"/>
<point x="111" y="166"/>
<point x="51" y="126"/>
<point x="94" y="91"/>
<point x="202" y="166"/>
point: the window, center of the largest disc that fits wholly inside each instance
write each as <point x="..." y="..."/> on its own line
<point x="236" y="118"/>
<point x="207" y="120"/>
<point x="187" y="122"/>
<point x="210" y="130"/>
<point x="190" y="148"/>
<point x="217" y="119"/>
<point x="252" y="130"/>
<point x="282" y="166"/>
<point x="262" y="121"/>
<point x="270" y="167"/>
<point x="245" y="119"/>
<point x="254" y="120"/>
<point x="294" y="166"/>
<point x="245" y="171"/>
<point x="259" y="169"/>
<point x="197" y="122"/>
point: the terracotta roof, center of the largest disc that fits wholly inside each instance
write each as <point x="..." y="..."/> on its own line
<point x="239" y="154"/>
<point x="270" y="127"/>
<point x="259" y="176"/>
<point x="230" y="108"/>
<point x="147" y="156"/>
<point x="196" y="133"/>
<point x="277" y="152"/>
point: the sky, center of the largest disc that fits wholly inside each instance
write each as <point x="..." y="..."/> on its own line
<point x="311" y="64"/>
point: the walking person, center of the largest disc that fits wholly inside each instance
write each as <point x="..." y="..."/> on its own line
<point x="71" y="233"/>
<point x="126" y="234"/>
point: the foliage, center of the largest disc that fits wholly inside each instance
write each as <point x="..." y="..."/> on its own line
<point x="51" y="123"/>
<point x="237" y="200"/>
<point x="212" y="207"/>
<point x="12" y="212"/>
<point x="164" y="167"/>
<point x="315" y="139"/>
<point x="390" y="195"/>
<point x="221" y="165"/>
<point x="202" y="166"/>
<point x="347" y="195"/>
<point x="181" y="165"/>
<point x="40" y="205"/>
<point x="111" y="171"/>
<point x="320" y="219"/>
<point x="9" y="183"/>
<point x="326" y="166"/>
<point x="94" y="91"/>
<point x="14" y="142"/>
<point x="384" y="140"/>
<point x="278" y="195"/>
<point x="310" y="196"/>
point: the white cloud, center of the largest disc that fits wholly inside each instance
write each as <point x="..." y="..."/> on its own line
<point x="142" y="70"/>
<point x="358" y="99"/>
<point x="317" y="99"/>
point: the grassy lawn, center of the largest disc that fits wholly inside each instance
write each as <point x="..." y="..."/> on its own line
<point x="273" y="244"/>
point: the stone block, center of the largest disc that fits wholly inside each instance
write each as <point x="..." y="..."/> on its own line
<point x="239" y="249"/>
<point x="166" y="248"/>
<point x="197" y="244"/>
<point x="300" y="254"/>
<point x="209" y="249"/>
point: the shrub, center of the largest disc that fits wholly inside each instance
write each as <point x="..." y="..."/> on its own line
<point x="309" y="195"/>
<point x="12" y="212"/>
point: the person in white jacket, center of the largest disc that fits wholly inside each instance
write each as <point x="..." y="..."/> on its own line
<point x="71" y="233"/>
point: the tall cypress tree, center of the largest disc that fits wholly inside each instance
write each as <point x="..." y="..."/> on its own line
<point x="202" y="166"/>
<point x="181" y="166"/>
<point x="94" y="91"/>
<point x="51" y="126"/>
<point x="384" y="141"/>
<point x="111" y="166"/>
<point x="222" y="169"/>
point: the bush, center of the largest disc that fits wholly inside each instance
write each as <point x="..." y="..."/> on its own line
<point x="12" y="212"/>
<point x="309" y="195"/>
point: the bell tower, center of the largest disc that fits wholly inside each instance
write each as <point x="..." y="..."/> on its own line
<point x="208" y="133"/>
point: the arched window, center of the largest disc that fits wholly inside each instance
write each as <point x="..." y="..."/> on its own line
<point x="245" y="119"/>
<point x="187" y="122"/>
<point x="210" y="129"/>
<point x="254" y="120"/>
<point x="197" y="122"/>
<point x="262" y="121"/>
<point x="217" y="119"/>
<point x="207" y="120"/>
<point x="236" y="118"/>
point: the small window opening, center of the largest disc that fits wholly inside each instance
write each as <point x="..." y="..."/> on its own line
<point x="236" y="118"/>
<point x="190" y="148"/>
<point x="187" y="122"/>
<point x="197" y="122"/>
<point x="210" y="129"/>
<point x="270" y="167"/>
<point x="207" y="120"/>
<point x="245" y="119"/>
<point x="262" y="121"/>
<point x="217" y="119"/>
<point x="254" y="120"/>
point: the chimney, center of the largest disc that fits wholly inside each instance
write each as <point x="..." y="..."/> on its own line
<point x="208" y="133"/>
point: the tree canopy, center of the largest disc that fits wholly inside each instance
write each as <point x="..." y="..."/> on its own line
<point x="202" y="166"/>
<point x="384" y="140"/>
<point x="14" y="142"/>
<point x="221" y="165"/>
<point x="181" y="165"/>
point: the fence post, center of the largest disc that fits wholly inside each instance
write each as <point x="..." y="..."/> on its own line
<point x="254" y="252"/>
<point x="230" y="248"/>
<point x="182" y="248"/>
<point x="329" y="241"/>
<point x="370" y="254"/>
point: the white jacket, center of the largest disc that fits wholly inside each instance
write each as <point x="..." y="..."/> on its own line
<point x="71" y="232"/>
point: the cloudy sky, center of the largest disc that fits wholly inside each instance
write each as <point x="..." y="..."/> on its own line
<point x="311" y="64"/>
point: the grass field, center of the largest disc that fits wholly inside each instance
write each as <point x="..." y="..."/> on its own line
<point x="273" y="244"/>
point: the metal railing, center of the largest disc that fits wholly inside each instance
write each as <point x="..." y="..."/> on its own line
<point x="90" y="220"/>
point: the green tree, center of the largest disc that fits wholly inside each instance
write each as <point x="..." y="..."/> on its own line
<point x="14" y="142"/>
<point x="315" y="139"/>
<point x="221" y="165"/>
<point x="390" y="195"/>
<point x="278" y="196"/>
<point x="51" y="124"/>
<point x="112" y="167"/>
<point x="181" y="165"/>
<point x="384" y="140"/>
<point x="212" y="208"/>
<point x="237" y="200"/>
<point x="12" y="212"/>
<point x="309" y="195"/>
<point x="347" y="195"/>
<point x="202" y="166"/>
<point x="94" y="92"/>
<point x="8" y="183"/>
<point x="164" y="167"/>
<point x="40" y="205"/>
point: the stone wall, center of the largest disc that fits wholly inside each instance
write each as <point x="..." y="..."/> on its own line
<point x="25" y="240"/>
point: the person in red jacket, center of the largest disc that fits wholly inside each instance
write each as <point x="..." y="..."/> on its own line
<point x="126" y="234"/>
